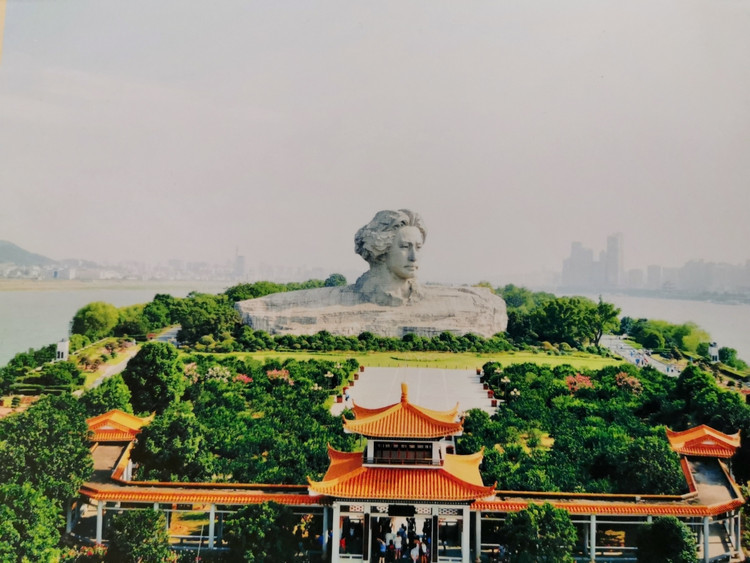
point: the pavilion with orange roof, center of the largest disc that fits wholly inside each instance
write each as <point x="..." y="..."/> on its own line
<point x="409" y="473"/>
<point x="408" y="469"/>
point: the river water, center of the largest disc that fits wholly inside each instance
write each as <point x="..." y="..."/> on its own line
<point x="728" y="325"/>
<point x="31" y="318"/>
<point x="34" y="318"/>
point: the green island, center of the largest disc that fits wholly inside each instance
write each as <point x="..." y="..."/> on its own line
<point x="234" y="405"/>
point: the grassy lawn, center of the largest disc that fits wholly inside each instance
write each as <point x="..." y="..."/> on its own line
<point x="444" y="360"/>
<point x="122" y="356"/>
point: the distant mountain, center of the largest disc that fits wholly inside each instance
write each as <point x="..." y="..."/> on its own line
<point x="14" y="254"/>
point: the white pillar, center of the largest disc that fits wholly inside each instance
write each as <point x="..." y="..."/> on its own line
<point x="99" y="520"/>
<point x="477" y="533"/>
<point x="211" y="526"/>
<point x="592" y="538"/>
<point x="466" y="536"/>
<point x="336" y="533"/>
<point x="585" y="538"/>
<point x="649" y="519"/>
<point x="705" y="539"/>
<point x="324" y="543"/>
<point x="737" y="533"/>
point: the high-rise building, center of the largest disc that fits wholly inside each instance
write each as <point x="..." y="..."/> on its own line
<point x="578" y="268"/>
<point x="615" y="264"/>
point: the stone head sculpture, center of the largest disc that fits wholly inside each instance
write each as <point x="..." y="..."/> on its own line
<point x="390" y="243"/>
<point x="393" y="239"/>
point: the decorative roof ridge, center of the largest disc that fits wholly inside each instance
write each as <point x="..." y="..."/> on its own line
<point x="705" y="428"/>
<point x="455" y="478"/>
<point x="340" y="454"/>
<point x="109" y="415"/>
<point x="441" y="422"/>
<point x="473" y="456"/>
<point x="448" y="416"/>
<point x="372" y="417"/>
<point x="368" y="411"/>
<point x="426" y="415"/>
<point x="339" y="479"/>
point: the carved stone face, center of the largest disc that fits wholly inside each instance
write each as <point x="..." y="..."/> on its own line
<point x="402" y="257"/>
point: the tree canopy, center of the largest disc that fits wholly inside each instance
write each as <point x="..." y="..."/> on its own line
<point x="47" y="447"/>
<point x="262" y="533"/>
<point x="29" y="524"/>
<point x="154" y="377"/>
<point x="111" y="394"/>
<point x="137" y="536"/>
<point x="666" y="540"/>
<point x="95" y="320"/>
<point x="540" y="533"/>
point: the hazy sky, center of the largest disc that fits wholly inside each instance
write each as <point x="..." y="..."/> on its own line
<point x="148" y="130"/>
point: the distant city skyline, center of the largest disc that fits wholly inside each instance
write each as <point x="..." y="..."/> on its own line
<point x="583" y="269"/>
<point x="608" y="271"/>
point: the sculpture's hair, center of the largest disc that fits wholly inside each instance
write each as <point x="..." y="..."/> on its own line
<point x="373" y="241"/>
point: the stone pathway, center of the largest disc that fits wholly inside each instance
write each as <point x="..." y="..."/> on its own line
<point x="438" y="389"/>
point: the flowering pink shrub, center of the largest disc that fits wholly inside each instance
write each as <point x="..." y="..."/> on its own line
<point x="578" y="381"/>
<point x="242" y="378"/>
<point x="280" y="374"/>
<point x="628" y="382"/>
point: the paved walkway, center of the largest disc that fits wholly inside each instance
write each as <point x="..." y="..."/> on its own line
<point x="169" y="335"/>
<point x="438" y="389"/>
<point x="637" y="357"/>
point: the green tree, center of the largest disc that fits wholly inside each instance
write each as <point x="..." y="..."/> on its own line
<point x="132" y="322"/>
<point x="95" y="320"/>
<point x="335" y="280"/>
<point x="173" y="447"/>
<point x="137" y="536"/>
<point x="262" y="533"/>
<point x="111" y="394"/>
<point x="650" y="465"/>
<point x="564" y="319"/>
<point x="47" y="447"/>
<point x="522" y="299"/>
<point x="603" y="319"/>
<point x="245" y="291"/>
<point x="666" y="540"/>
<point x="729" y="356"/>
<point x="206" y="315"/>
<point x="61" y="373"/>
<point x="29" y="524"/>
<point x="154" y="377"/>
<point x="540" y="533"/>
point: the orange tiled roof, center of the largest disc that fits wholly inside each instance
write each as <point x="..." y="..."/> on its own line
<point x="457" y="480"/>
<point x="403" y="420"/>
<point x="615" y="508"/>
<point x="115" y="426"/>
<point x="191" y="496"/>
<point x="704" y="441"/>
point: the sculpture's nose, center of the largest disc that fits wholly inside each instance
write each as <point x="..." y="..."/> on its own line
<point x="412" y="254"/>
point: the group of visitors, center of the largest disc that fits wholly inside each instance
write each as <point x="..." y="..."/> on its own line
<point x="403" y="545"/>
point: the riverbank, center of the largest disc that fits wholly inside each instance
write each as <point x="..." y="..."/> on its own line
<point x="183" y="286"/>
